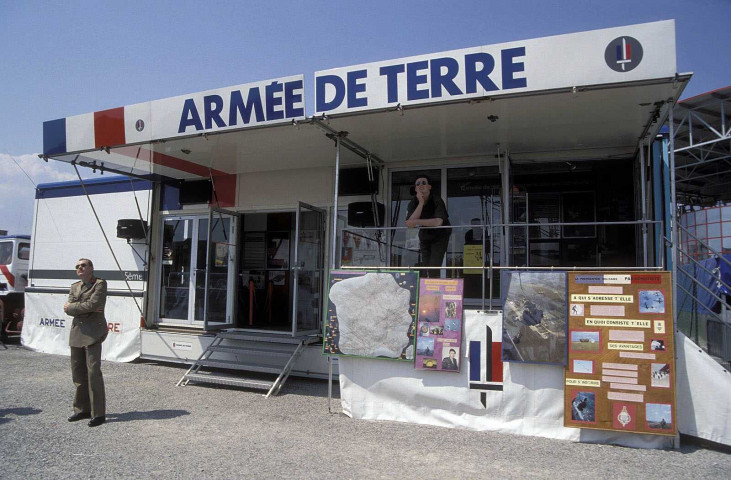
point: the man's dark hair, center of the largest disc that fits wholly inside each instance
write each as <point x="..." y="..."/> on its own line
<point x="453" y="350"/>
<point x="428" y="180"/>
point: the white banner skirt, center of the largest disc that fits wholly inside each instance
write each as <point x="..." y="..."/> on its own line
<point x="528" y="401"/>
<point x="46" y="327"/>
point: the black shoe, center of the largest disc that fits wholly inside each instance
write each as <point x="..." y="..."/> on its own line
<point x="79" y="416"/>
<point x="96" y="421"/>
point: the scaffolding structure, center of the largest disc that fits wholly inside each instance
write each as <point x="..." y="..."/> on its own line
<point x="701" y="133"/>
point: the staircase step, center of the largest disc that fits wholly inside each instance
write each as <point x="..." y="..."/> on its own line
<point x="223" y="379"/>
<point x="266" y="337"/>
<point x="233" y="365"/>
<point x="250" y="350"/>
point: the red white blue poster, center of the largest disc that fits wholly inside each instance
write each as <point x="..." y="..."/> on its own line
<point x="439" y="324"/>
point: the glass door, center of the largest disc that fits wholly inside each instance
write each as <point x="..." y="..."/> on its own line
<point x="198" y="265"/>
<point x="308" y="269"/>
<point x="220" y="269"/>
<point x="176" y="288"/>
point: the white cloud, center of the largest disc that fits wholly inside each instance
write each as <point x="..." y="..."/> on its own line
<point x="17" y="191"/>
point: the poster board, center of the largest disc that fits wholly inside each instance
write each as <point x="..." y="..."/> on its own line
<point x="371" y="314"/>
<point x="439" y="324"/>
<point x="621" y="370"/>
<point x="534" y="316"/>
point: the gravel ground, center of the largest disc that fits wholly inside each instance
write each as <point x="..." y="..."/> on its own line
<point x="157" y="430"/>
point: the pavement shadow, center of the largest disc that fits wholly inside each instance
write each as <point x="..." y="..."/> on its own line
<point x="149" y="415"/>
<point x="17" y="411"/>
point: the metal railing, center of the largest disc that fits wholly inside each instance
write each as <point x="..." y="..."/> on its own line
<point x="703" y="309"/>
<point x="388" y="250"/>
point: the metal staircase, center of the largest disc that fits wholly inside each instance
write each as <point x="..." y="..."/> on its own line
<point x="248" y="352"/>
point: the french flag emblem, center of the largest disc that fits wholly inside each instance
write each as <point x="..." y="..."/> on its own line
<point x="624" y="53"/>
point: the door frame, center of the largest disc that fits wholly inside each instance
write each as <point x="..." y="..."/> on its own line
<point x="294" y="267"/>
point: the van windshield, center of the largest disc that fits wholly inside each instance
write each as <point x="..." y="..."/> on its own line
<point x="6" y="253"/>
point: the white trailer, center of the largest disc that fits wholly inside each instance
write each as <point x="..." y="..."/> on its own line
<point x="541" y="145"/>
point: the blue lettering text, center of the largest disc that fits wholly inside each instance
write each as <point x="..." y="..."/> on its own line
<point x="272" y="101"/>
<point x="321" y="84"/>
<point x="354" y="88"/>
<point x="240" y="109"/>
<point x="190" y="117"/>
<point x="510" y="67"/>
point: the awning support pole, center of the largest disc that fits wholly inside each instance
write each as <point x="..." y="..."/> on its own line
<point x="334" y="233"/>
<point x="111" y="250"/>
<point x="642" y="202"/>
<point x="333" y="248"/>
<point x="675" y="234"/>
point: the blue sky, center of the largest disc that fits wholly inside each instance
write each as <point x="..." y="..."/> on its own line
<point x="67" y="58"/>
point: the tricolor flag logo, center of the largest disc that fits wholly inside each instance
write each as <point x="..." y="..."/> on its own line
<point x="485" y="354"/>
<point x="623" y="54"/>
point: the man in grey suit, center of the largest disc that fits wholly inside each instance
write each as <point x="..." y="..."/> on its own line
<point x="88" y="330"/>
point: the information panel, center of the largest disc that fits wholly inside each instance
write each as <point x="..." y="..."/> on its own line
<point x="621" y="370"/>
<point x="371" y="314"/>
<point x="439" y="330"/>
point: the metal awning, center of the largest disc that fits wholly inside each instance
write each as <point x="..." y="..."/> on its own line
<point x="587" y="123"/>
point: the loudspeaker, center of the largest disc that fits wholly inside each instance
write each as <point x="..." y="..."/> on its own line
<point x="195" y="191"/>
<point x="131" y="228"/>
<point x="360" y="214"/>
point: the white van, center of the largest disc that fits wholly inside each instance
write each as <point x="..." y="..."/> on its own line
<point x="14" y="257"/>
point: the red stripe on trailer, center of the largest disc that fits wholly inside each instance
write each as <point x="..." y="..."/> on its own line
<point x="224" y="183"/>
<point x="109" y="127"/>
<point x="8" y="275"/>
<point x="497" y="361"/>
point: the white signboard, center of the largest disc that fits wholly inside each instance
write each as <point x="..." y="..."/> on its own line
<point x="621" y="54"/>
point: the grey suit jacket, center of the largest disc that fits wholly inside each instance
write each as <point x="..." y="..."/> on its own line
<point x="89" y="326"/>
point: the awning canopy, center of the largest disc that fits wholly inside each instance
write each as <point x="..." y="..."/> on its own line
<point x="582" y="96"/>
<point x="588" y="123"/>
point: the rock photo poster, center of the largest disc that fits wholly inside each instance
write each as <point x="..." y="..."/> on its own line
<point x="371" y="314"/>
<point x="439" y="324"/>
<point x="534" y="316"/>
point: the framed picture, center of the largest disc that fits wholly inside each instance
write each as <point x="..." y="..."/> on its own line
<point x="371" y="314"/>
<point x="534" y="317"/>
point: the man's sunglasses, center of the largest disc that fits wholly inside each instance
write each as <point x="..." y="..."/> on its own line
<point x="421" y="182"/>
<point x="81" y="265"/>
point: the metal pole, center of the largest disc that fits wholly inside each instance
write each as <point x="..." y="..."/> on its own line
<point x="675" y="234"/>
<point x="642" y="202"/>
<point x="333" y="245"/>
<point x="482" y="271"/>
<point x="334" y="225"/>
<point x="330" y="383"/>
<point x="505" y="177"/>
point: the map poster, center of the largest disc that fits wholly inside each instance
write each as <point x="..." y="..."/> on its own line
<point x="439" y="324"/>
<point x="621" y="370"/>
<point x="371" y="314"/>
<point x="534" y="316"/>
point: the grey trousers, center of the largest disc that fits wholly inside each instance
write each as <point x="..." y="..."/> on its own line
<point x="86" y="372"/>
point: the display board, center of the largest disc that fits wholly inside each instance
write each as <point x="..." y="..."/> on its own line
<point x="621" y="370"/>
<point x="439" y="324"/>
<point x="534" y="316"/>
<point x="371" y="314"/>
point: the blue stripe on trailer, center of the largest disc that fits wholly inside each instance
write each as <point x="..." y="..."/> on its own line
<point x="54" y="136"/>
<point x="94" y="186"/>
